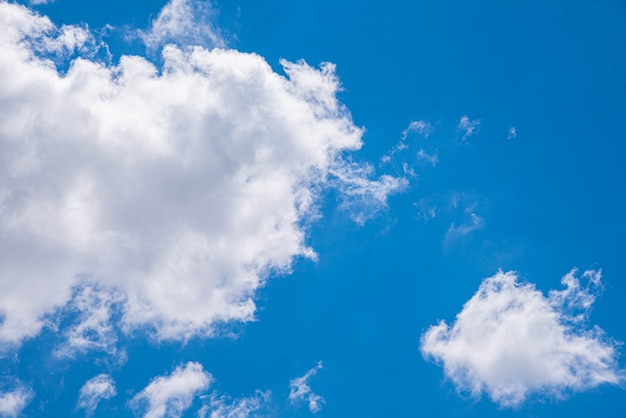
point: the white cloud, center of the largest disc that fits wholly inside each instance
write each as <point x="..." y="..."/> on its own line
<point x="187" y="22"/>
<point x="469" y="127"/>
<point x="433" y="159"/>
<point x="299" y="390"/>
<point x="181" y="188"/>
<point x="455" y="232"/>
<point x="172" y="395"/>
<point x="421" y="127"/>
<point x="220" y="407"/>
<point x="13" y="403"/>
<point x="94" y="390"/>
<point x="512" y="133"/>
<point x="93" y="328"/>
<point x="510" y="341"/>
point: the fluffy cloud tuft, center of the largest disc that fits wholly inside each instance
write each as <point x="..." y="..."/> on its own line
<point x="221" y="407"/>
<point x="183" y="22"/>
<point x="13" y="403"/>
<point x="468" y="127"/>
<point x="299" y="390"/>
<point x="179" y="188"/>
<point x="172" y="395"/>
<point x="94" y="390"/>
<point x="510" y="341"/>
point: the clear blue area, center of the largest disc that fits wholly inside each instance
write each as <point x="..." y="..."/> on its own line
<point x="552" y="198"/>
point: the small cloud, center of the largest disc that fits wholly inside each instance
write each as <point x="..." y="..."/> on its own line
<point x="299" y="390"/>
<point x="469" y="127"/>
<point x="187" y="22"/>
<point x="172" y="395"/>
<point x="510" y="341"/>
<point x="94" y="390"/>
<point x="431" y="158"/>
<point x="455" y="232"/>
<point x="418" y="126"/>
<point x="512" y="133"/>
<point x="221" y="407"/>
<point x="94" y="329"/>
<point x="13" y="403"/>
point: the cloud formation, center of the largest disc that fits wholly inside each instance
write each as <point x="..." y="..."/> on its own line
<point x="510" y="341"/>
<point x="512" y="133"/>
<point x="172" y="395"/>
<point x="94" y="390"/>
<point x="180" y="188"/>
<point x="184" y="22"/>
<point x="221" y="407"/>
<point x="468" y="127"/>
<point x="13" y="403"/>
<point x="300" y="391"/>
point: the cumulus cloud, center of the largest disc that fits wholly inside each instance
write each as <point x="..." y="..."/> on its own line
<point x="181" y="187"/>
<point x="184" y="22"/>
<point x="468" y="127"/>
<point x="13" y="403"/>
<point x="173" y="394"/>
<point x="300" y="391"/>
<point x="223" y="407"/>
<point x="94" y="390"/>
<point x="510" y="341"/>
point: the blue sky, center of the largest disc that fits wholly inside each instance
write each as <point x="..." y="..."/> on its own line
<point x="424" y="217"/>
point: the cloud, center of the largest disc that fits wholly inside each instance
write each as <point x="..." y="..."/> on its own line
<point x="179" y="188"/>
<point x="172" y="395"/>
<point x="184" y="22"/>
<point x="13" y="403"/>
<point x="93" y="328"/>
<point x="510" y="341"/>
<point x="420" y="127"/>
<point x="433" y="159"/>
<point x="455" y="232"/>
<point x="469" y="127"/>
<point x="512" y="133"/>
<point x="220" y="407"/>
<point x="94" y="390"/>
<point x="300" y="391"/>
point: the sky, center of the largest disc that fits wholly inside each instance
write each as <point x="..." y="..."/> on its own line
<point x="234" y="208"/>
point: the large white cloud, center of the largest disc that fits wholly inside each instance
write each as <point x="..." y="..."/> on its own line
<point x="173" y="394"/>
<point x="510" y="341"/>
<point x="178" y="189"/>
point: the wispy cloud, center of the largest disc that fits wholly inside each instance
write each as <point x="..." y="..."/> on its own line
<point x="94" y="390"/>
<point x="468" y="127"/>
<point x="510" y="341"/>
<point x="224" y="407"/>
<point x="186" y="22"/>
<point x="300" y="391"/>
<point x="13" y="403"/>
<point x="433" y="159"/>
<point x="420" y="127"/>
<point x="512" y="133"/>
<point x="172" y="395"/>
<point x="455" y="232"/>
<point x="93" y="328"/>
